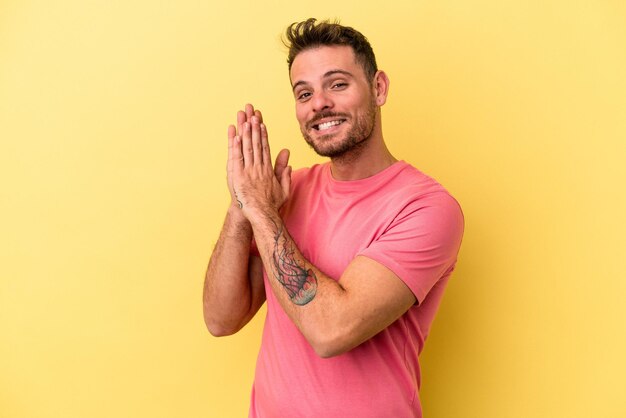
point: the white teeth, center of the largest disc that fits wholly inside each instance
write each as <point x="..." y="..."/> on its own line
<point x="326" y="125"/>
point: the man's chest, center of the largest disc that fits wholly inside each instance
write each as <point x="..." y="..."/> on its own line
<point x="331" y="234"/>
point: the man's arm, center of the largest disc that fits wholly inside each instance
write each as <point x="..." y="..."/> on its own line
<point x="233" y="286"/>
<point x="334" y="316"/>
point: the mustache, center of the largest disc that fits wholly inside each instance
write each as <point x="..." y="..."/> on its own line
<point x="323" y="115"/>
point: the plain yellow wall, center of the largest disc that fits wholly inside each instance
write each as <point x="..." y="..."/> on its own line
<point x="113" y="117"/>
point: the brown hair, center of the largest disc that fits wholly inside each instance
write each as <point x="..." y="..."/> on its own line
<point x="310" y="33"/>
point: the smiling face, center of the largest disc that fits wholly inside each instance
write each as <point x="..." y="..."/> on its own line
<point x="335" y="103"/>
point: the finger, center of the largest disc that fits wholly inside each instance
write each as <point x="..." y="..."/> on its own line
<point x="231" y="131"/>
<point x="285" y="181"/>
<point x="256" y="141"/>
<point x="258" y="114"/>
<point x="265" y="146"/>
<point x="241" y="118"/>
<point x="246" y="145"/>
<point x="231" y="135"/>
<point x="237" y="157"/>
<point x="282" y="159"/>
<point x="249" y="112"/>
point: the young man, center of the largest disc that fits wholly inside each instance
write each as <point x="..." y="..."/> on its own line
<point x="352" y="256"/>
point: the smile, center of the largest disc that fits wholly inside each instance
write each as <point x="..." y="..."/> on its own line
<point x="328" y="125"/>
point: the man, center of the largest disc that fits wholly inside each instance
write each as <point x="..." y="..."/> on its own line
<point x="352" y="256"/>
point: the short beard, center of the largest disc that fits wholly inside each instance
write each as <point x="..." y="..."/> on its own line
<point x="354" y="141"/>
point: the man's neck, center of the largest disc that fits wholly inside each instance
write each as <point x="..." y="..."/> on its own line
<point x="362" y="163"/>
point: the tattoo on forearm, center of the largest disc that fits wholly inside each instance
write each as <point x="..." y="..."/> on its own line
<point x="299" y="282"/>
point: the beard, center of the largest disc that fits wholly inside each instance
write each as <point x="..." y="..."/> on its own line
<point x="358" y="135"/>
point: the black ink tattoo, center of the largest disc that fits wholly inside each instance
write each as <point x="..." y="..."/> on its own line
<point x="237" y="199"/>
<point x="300" y="283"/>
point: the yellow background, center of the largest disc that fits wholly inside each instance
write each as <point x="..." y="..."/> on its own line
<point x="113" y="120"/>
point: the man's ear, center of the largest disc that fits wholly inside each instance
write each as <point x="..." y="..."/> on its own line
<point x="381" y="87"/>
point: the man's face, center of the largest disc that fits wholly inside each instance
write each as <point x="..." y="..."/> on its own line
<point x="335" y="102"/>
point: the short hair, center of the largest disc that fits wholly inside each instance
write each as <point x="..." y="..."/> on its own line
<point x="301" y="36"/>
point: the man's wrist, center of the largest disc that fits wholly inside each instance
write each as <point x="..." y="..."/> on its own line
<point x="259" y="217"/>
<point x="235" y="211"/>
<point x="236" y="218"/>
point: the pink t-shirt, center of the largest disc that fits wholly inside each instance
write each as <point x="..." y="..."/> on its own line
<point x="399" y="217"/>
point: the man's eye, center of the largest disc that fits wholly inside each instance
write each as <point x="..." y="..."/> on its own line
<point x="339" y="85"/>
<point x="304" y="95"/>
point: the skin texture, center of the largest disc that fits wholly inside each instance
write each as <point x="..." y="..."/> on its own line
<point x="333" y="314"/>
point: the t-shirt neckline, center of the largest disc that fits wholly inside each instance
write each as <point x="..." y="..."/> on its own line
<point x="381" y="176"/>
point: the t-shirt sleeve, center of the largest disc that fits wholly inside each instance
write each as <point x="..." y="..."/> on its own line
<point x="421" y="244"/>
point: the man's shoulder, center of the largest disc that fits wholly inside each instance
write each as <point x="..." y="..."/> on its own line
<point x="409" y="180"/>
<point x="412" y="192"/>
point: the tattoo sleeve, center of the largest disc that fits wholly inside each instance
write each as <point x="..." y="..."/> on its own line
<point x="299" y="283"/>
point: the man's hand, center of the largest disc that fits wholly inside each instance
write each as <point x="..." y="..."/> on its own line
<point x="242" y="117"/>
<point x="256" y="186"/>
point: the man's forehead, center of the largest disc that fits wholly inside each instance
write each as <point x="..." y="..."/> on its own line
<point x="315" y="63"/>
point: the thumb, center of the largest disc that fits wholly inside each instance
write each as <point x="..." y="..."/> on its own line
<point x="282" y="159"/>
<point x="285" y="180"/>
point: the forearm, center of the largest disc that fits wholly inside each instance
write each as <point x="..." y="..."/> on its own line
<point x="228" y="291"/>
<point x="310" y="298"/>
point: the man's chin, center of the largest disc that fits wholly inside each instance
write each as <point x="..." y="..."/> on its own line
<point x="322" y="145"/>
<point x="331" y="150"/>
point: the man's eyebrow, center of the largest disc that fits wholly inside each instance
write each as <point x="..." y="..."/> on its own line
<point x="326" y="75"/>
<point x="333" y="72"/>
<point x="299" y="83"/>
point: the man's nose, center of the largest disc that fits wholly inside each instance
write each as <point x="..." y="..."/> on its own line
<point x="322" y="101"/>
